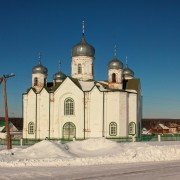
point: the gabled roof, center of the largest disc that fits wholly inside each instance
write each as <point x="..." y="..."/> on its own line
<point x="130" y="84"/>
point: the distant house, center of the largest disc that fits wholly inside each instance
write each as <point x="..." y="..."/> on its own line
<point x="16" y="121"/>
<point x="173" y="128"/>
<point x="145" y="131"/>
<point x="160" y="129"/>
<point x="15" y="133"/>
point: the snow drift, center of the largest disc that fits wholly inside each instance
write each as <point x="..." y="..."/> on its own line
<point x="88" y="152"/>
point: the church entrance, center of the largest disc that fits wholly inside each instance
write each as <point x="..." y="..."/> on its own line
<point x="69" y="131"/>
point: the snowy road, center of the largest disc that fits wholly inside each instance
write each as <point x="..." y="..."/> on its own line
<point x="130" y="171"/>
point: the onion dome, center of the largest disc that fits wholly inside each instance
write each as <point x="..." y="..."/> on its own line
<point x="59" y="76"/>
<point x="115" y="63"/>
<point x="83" y="49"/>
<point x="127" y="72"/>
<point x="40" y="68"/>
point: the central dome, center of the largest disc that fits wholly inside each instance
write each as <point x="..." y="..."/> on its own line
<point x="83" y="49"/>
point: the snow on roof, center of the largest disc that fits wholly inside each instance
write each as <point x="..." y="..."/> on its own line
<point x="2" y="128"/>
<point x="163" y="126"/>
<point x="86" y="85"/>
<point x="102" y="86"/>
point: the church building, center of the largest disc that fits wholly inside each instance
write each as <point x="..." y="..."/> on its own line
<point x="80" y="107"/>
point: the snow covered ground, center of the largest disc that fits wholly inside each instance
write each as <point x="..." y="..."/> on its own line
<point x="98" y="151"/>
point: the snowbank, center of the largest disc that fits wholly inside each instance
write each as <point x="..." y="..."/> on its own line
<point x="88" y="152"/>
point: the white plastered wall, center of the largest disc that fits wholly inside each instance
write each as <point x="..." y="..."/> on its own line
<point x="116" y="111"/>
<point x="42" y="114"/>
<point x="67" y="90"/>
<point x="132" y="113"/>
<point x="29" y="113"/>
<point x="95" y="113"/>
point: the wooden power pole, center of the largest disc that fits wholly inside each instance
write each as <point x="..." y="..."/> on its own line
<point x="8" y="136"/>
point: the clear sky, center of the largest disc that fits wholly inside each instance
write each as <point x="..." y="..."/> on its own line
<point x="147" y="31"/>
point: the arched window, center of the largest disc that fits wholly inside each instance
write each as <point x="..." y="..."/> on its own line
<point x="35" y="81"/>
<point x="132" y="128"/>
<point x="112" y="129"/>
<point x="69" y="131"/>
<point x="31" y="128"/>
<point x="79" y="69"/>
<point x="68" y="106"/>
<point x="114" y="77"/>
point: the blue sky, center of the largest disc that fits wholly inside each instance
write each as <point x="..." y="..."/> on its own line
<point x="147" y="31"/>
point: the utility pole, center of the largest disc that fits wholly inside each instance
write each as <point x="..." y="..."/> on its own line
<point x="8" y="136"/>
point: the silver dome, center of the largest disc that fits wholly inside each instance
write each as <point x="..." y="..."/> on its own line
<point x="40" y="69"/>
<point x="59" y="76"/>
<point x="83" y="49"/>
<point x="115" y="64"/>
<point x="128" y="72"/>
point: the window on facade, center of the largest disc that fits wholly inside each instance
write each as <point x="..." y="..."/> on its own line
<point x="31" y="128"/>
<point x="35" y="81"/>
<point x="132" y="128"/>
<point x="69" y="107"/>
<point x="113" y="129"/>
<point x="79" y="69"/>
<point x="114" y="77"/>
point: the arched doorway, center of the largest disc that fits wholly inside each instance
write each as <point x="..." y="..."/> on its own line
<point x="69" y="131"/>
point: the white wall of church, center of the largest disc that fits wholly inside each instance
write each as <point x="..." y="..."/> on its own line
<point x="29" y="112"/>
<point x="42" y="115"/>
<point x="95" y="115"/>
<point x="116" y="111"/>
<point x="67" y="90"/>
<point x="132" y="113"/>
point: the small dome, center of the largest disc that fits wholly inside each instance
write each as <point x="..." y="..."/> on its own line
<point x="128" y="72"/>
<point x="83" y="49"/>
<point x="115" y="64"/>
<point x="59" y="76"/>
<point x="40" y="69"/>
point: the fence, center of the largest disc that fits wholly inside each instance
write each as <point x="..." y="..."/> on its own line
<point x="144" y="138"/>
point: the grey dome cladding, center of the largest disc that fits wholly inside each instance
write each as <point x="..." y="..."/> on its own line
<point x="59" y="76"/>
<point x="40" y="69"/>
<point x="128" y="72"/>
<point x="83" y="49"/>
<point x="115" y="64"/>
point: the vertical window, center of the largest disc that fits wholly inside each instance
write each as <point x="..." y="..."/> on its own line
<point x="132" y="128"/>
<point x="31" y="128"/>
<point x="114" y="77"/>
<point x="35" y="81"/>
<point x="68" y="106"/>
<point x="113" y="129"/>
<point x="79" y="69"/>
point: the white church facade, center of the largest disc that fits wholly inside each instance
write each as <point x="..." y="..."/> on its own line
<point x="80" y="107"/>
